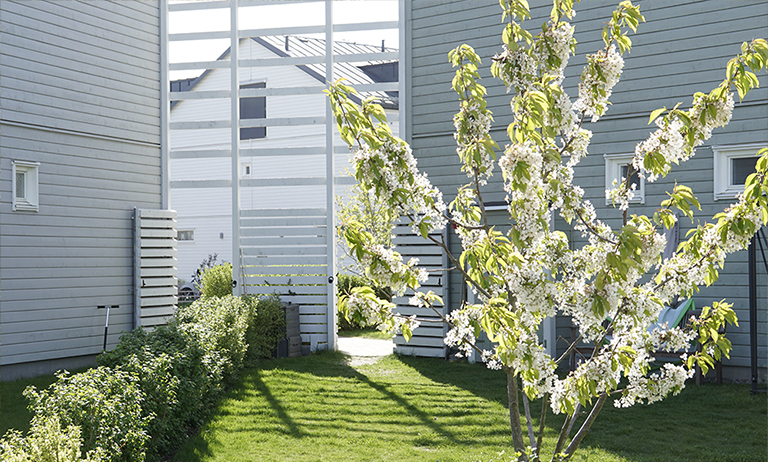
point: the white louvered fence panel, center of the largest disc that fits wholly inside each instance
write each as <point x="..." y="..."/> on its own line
<point x="155" y="284"/>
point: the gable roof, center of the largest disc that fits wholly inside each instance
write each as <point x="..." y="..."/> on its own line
<point x="364" y="72"/>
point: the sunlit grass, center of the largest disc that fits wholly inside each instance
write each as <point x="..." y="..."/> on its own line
<point x="318" y="408"/>
<point x="366" y="333"/>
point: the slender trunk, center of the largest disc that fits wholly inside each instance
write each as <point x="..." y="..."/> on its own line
<point x="563" y="436"/>
<point x="541" y="424"/>
<point x="585" y="426"/>
<point x="514" y="414"/>
<point x="573" y="420"/>
<point x="527" y="407"/>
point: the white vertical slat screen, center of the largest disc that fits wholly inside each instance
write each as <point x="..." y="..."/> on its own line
<point x="275" y="248"/>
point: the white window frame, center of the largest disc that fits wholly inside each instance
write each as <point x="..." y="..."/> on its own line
<point x="613" y="164"/>
<point x="246" y="170"/>
<point x="30" y="202"/>
<point x="179" y="231"/>
<point x="266" y="106"/>
<point x="722" y="174"/>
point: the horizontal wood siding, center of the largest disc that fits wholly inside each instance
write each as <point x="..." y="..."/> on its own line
<point x="92" y="67"/>
<point x="80" y="94"/>
<point x="427" y="339"/>
<point x="683" y="48"/>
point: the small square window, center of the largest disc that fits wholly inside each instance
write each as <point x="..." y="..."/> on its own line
<point x="245" y="170"/>
<point x="185" y="235"/>
<point x="616" y="168"/>
<point x="732" y="166"/>
<point x="25" y="190"/>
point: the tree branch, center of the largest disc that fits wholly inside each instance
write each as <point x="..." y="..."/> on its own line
<point x="585" y="426"/>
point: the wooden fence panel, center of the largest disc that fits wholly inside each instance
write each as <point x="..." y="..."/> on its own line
<point x="155" y="280"/>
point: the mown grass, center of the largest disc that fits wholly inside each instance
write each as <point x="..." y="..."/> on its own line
<point x="13" y="405"/>
<point x="319" y="408"/>
<point x="366" y="333"/>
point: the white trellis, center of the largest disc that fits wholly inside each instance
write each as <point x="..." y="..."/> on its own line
<point x="287" y="251"/>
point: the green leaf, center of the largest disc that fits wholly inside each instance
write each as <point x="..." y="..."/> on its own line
<point x="656" y="114"/>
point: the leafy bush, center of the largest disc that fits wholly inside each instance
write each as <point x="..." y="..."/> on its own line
<point x="105" y="404"/>
<point x="216" y="281"/>
<point x="46" y="442"/>
<point x="344" y="286"/>
<point x="158" y="383"/>
<point x="266" y="326"/>
<point x="174" y="378"/>
<point x="207" y="263"/>
<point x="220" y="323"/>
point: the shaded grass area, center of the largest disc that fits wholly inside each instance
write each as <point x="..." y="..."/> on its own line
<point x="404" y="408"/>
<point x="366" y="333"/>
<point x="13" y="405"/>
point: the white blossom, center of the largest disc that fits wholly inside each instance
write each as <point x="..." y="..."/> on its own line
<point x="594" y="90"/>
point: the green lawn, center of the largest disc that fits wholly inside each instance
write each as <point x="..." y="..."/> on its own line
<point x="366" y="333"/>
<point x="318" y="408"/>
<point x="13" y="405"/>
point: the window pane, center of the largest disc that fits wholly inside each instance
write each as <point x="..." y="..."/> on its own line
<point x="186" y="235"/>
<point x="741" y="168"/>
<point x="21" y="178"/>
<point x="253" y="108"/>
<point x="253" y="133"/>
<point x="635" y="179"/>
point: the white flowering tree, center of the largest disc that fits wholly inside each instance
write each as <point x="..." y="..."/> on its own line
<point x="616" y="284"/>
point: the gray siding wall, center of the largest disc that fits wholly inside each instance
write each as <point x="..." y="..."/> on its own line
<point x="682" y="49"/>
<point x="80" y="94"/>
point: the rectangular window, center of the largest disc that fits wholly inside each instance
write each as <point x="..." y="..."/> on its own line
<point x="21" y="191"/>
<point x="253" y="108"/>
<point x="741" y="168"/>
<point x="25" y="188"/>
<point x="616" y="168"/>
<point x="245" y="170"/>
<point x="185" y="235"/>
<point x="732" y="166"/>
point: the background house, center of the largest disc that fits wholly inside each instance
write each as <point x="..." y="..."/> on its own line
<point x="683" y="48"/>
<point x="80" y="129"/>
<point x="204" y="215"/>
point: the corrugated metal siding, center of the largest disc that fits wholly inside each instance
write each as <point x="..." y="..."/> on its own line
<point x="683" y="48"/>
<point x="79" y="93"/>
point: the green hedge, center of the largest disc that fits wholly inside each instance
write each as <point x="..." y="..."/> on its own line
<point x="147" y="393"/>
<point x="105" y="403"/>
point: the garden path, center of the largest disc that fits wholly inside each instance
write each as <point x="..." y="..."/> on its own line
<point x="364" y="350"/>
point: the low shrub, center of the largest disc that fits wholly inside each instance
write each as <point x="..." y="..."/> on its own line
<point x="152" y="388"/>
<point x="174" y="378"/>
<point x="216" y="281"/>
<point x="266" y="326"/>
<point x="344" y="286"/>
<point x="220" y="323"/>
<point x="105" y="403"/>
<point x="46" y="442"/>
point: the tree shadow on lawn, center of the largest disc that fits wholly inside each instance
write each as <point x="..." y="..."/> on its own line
<point x="319" y="397"/>
<point x="707" y="423"/>
<point x="321" y="402"/>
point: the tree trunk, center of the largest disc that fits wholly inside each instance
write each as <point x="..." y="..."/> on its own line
<point x="586" y="426"/>
<point x="514" y="414"/>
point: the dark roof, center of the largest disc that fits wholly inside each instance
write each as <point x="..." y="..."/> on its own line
<point x="364" y="72"/>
